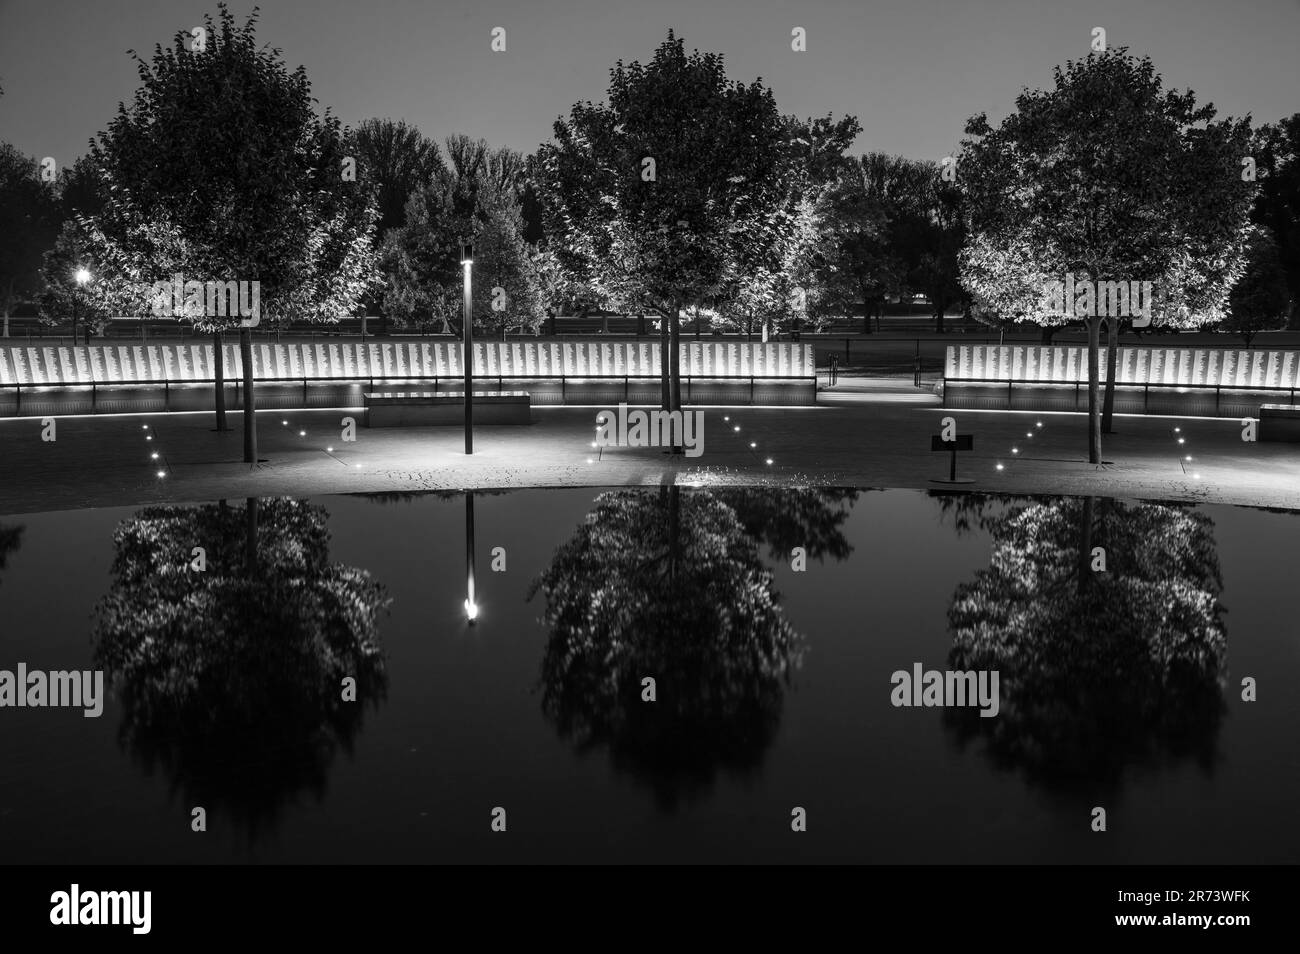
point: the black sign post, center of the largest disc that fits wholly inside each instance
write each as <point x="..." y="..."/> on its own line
<point x="963" y="442"/>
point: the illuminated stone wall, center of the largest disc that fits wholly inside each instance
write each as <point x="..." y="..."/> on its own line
<point x="179" y="363"/>
<point x="1065" y="364"/>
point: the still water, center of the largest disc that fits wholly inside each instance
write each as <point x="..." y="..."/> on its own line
<point x="1119" y="687"/>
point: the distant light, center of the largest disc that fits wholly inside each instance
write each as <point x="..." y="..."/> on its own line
<point x="471" y="611"/>
<point x="1197" y="476"/>
<point x="999" y="466"/>
<point x="736" y="428"/>
<point x="154" y="456"/>
<point x="1015" y="450"/>
<point x="1039" y="424"/>
<point x="1188" y="458"/>
<point x="1029" y="434"/>
<point x="1182" y="440"/>
<point x="769" y="460"/>
<point x="302" y="433"/>
<point x="753" y="444"/>
<point x="149" y="438"/>
<point x="285" y="423"/>
<point x="356" y="465"/>
<point x="590" y="461"/>
<point x="329" y="450"/>
<point x="1177" y="429"/>
<point x="593" y="443"/>
<point x="144" y="427"/>
<point x="83" y="276"/>
<point x="162" y="473"/>
<point x="726" y="417"/>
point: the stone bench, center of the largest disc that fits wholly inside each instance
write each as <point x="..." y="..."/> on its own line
<point x="424" y="408"/>
<point x="1279" y="422"/>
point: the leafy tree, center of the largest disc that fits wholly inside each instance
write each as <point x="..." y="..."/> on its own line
<point x="1113" y="178"/>
<point x="858" y="262"/>
<point x="785" y="518"/>
<point x="476" y="197"/>
<point x="29" y="224"/>
<point x="1099" y="670"/>
<point x="93" y="303"/>
<point x="81" y="189"/>
<point x="1260" y="299"/>
<point x="394" y="159"/>
<point x="231" y="678"/>
<point x="223" y="147"/>
<point x="721" y="176"/>
<point x="1277" y="206"/>
<point x="665" y="584"/>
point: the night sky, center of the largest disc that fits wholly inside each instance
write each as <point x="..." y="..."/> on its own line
<point x="911" y="70"/>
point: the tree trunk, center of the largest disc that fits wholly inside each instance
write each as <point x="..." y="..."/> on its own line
<point x="675" y="355"/>
<point x="9" y="297"/>
<point x="1112" y="359"/>
<point x="674" y="531"/>
<point x="219" y="372"/>
<point x="1085" y="546"/>
<point x="665" y="365"/>
<point x="866" y="311"/>
<point x="250" y="536"/>
<point x="767" y="328"/>
<point x="1094" y="391"/>
<point x="938" y="320"/>
<point x="250" y="416"/>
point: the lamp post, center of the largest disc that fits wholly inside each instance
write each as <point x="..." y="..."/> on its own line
<point x="471" y="607"/>
<point x="467" y="264"/>
<point x="82" y="276"/>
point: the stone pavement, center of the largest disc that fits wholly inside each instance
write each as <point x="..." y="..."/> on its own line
<point x="106" y="460"/>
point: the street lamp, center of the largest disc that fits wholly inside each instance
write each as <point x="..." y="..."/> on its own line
<point x="467" y="263"/>
<point x="82" y="276"/>
<point x="471" y="608"/>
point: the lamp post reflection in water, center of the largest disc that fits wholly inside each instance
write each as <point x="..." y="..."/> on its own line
<point x="471" y="607"/>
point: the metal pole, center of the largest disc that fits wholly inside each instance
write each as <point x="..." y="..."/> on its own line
<point x="469" y="380"/>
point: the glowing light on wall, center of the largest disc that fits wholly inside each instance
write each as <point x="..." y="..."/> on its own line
<point x="179" y="363"/>
<point x="1066" y="364"/>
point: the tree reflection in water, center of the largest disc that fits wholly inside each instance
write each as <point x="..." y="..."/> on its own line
<point x="231" y="678"/>
<point x="1101" y="672"/>
<point x="669" y="584"/>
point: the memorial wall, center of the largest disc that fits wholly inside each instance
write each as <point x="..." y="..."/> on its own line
<point x="1065" y="364"/>
<point x="181" y="363"/>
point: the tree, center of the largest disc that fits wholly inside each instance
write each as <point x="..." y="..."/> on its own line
<point x="1100" y="667"/>
<point x="232" y="677"/>
<point x="475" y="197"/>
<point x="665" y="584"/>
<point x="1260" y="300"/>
<point x="658" y="190"/>
<point x="29" y="224"/>
<point x="1277" y="206"/>
<point x="1112" y="178"/>
<point x="394" y="160"/>
<point x="858" y="261"/>
<point x="223" y="148"/>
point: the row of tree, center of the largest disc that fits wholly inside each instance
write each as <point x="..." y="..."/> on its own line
<point x="684" y="193"/>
